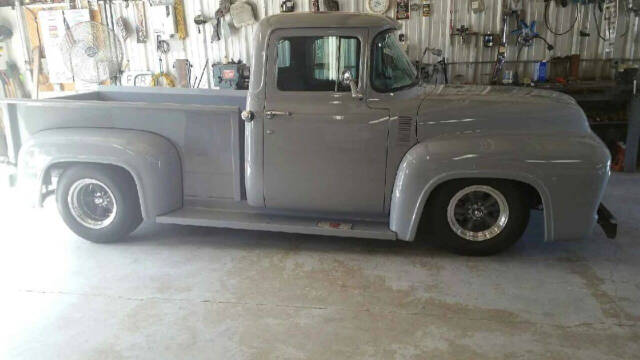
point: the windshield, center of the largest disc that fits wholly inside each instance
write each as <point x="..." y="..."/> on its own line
<point x="391" y="68"/>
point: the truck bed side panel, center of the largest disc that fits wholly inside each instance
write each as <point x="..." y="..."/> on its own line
<point x="207" y="137"/>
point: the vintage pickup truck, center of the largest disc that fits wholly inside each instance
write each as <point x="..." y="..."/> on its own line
<point x="336" y="136"/>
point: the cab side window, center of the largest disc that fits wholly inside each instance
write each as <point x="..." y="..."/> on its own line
<point x="314" y="63"/>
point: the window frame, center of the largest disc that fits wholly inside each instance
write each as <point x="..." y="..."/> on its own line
<point x="359" y="34"/>
<point x="371" y="62"/>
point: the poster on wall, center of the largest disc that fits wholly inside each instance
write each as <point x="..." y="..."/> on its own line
<point x="53" y="32"/>
<point x="402" y="10"/>
<point x="426" y="8"/>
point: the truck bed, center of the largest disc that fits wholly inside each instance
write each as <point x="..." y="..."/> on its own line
<point x="204" y="126"/>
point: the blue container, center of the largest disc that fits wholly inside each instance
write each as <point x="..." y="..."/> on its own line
<point x="540" y="72"/>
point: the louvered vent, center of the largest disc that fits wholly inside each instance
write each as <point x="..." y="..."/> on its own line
<point x="404" y="129"/>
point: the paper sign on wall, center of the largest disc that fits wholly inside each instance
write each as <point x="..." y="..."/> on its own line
<point x="426" y="8"/>
<point x="402" y="10"/>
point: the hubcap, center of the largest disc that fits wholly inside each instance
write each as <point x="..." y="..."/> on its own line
<point x="92" y="203"/>
<point x="478" y="213"/>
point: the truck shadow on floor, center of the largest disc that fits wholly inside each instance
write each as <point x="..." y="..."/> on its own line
<point x="530" y="245"/>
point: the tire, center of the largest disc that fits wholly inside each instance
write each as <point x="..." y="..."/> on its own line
<point x="99" y="203"/>
<point x="461" y="222"/>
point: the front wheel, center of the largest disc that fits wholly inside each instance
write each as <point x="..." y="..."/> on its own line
<point x="478" y="217"/>
<point x="99" y="203"/>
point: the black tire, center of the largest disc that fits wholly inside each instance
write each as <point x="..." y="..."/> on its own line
<point x="125" y="195"/>
<point x="439" y="225"/>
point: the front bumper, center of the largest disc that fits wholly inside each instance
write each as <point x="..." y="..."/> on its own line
<point x="607" y="222"/>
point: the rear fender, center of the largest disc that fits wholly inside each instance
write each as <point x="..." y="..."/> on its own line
<point x="152" y="160"/>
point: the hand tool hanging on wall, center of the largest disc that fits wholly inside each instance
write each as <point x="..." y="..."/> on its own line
<point x="221" y="21"/>
<point x="122" y="27"/>
<point x="225" y="6"/>
<point x="181" y="23"/>
<point x="163" y="48"/>
<point x="630" y="8"/>
<point x="287" y="6"/>
<point x="527" y="34"/>
<point x="215" y="31"/>
<point x="584" y="14"/>
<point x="204" y="68"/>
<point x="464" y="33"/>
<point x="141" y="26"/>
<point x="609" y="12"/>
<point x="553" y="29"/>
<point x="502" y="49"/>
<point x="200" y="20"/>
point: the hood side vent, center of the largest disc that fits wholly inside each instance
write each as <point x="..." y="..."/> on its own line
<point x="404" y="130"/>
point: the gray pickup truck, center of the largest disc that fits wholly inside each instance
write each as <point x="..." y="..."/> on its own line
<point x="336" y="136"/>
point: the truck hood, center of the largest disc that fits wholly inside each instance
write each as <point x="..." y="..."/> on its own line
<point x="482" y="109"/>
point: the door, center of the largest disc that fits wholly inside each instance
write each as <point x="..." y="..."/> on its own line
<point x="324" y="150"/>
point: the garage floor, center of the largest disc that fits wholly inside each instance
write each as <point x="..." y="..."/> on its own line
<point x="175" y="292"/>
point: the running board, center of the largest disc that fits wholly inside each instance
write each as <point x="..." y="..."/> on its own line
<point x="281" y="223"/>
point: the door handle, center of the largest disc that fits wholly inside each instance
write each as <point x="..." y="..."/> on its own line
<point x="270" y="114"/>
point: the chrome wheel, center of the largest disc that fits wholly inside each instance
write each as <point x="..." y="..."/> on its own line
<point x="92" y="204"/>
<point x="478" y="213"/>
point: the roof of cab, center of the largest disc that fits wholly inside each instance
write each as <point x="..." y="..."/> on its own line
<point x="326" y="19"/>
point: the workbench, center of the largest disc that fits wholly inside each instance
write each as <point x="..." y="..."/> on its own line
<point x="613" y="112"/>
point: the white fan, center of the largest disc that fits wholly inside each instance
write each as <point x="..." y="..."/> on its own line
<point x="93" y="52"/>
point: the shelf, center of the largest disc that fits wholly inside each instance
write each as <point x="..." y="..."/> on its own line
<point x="610" y="123"/>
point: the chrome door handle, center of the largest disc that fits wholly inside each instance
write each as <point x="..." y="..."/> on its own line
<point x="270" y="114"/>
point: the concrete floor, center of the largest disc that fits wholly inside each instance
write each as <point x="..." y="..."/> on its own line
<point x="174" y="292"/>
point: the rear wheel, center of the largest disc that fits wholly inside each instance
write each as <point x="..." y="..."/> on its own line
<point x="478" y="217"/>
<point x="98" y="202"/>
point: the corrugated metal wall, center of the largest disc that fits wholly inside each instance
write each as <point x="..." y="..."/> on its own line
<point x="470" y="62"/>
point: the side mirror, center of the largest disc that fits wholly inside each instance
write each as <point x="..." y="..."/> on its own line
<point x="347" y="79"/>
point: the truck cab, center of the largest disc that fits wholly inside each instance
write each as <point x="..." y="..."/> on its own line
<point x="323" y="139"/>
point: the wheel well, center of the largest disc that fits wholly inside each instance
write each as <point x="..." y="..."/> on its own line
<point x="529" y="192"/>
<point x="53" y="173"/>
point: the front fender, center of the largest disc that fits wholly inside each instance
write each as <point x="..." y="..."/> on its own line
<point x="152" y="160"/>
<point x="569" y="173"/>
